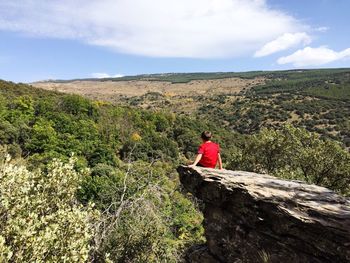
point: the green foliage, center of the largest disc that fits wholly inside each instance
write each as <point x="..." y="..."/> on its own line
<point x="44" y="137"/>
<point x="102" y="154"/>
<point x="40" y="218"/>
<point x="317" y="100"/>
<point x="152" y="146"/>
<point x="77" y="105"/>
<point x="144" y="219"/>
<point x="294" y="153"/>
<point x="22" y="108"/>
<point x="140" y="204"/>
<point x="8" y="133"/>
<point x="331" y="90"/>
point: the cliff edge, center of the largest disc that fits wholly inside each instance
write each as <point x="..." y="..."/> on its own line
<point x="251" y="217"/>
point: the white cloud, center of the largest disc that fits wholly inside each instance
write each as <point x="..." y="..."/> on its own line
<point x="314" y="57"/>
<point x="283" y="42"/>
<point x="322" y="29"/>
<point x="156" y="28"/>
<point x="105" y="75"/>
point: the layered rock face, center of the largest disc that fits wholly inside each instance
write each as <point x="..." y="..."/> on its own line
<point x="252" y="217"/>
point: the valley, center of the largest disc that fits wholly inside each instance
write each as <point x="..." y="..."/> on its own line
<point x="318" y="100"/>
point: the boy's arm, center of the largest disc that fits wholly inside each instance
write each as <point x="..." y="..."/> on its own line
<point x="220" y="161"/>
<point x="198" y="158"/>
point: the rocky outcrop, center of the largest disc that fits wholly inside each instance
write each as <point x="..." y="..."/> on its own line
<point x="252" y="217"/>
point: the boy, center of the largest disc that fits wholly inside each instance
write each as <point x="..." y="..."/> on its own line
<point x="208" y="153"/>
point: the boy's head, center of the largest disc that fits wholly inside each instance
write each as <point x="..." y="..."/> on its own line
<point x="206" y="136"/>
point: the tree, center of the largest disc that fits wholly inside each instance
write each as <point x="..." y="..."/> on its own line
<point x="44" y="137"/>
<point x="295" y="153"/>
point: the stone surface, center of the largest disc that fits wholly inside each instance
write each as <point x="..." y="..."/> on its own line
<point x="252" y="217"/>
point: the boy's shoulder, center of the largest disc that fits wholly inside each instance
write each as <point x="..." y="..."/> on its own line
<point x="210" y="144"/>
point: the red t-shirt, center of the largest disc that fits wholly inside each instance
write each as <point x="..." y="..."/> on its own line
<point x="209" y="151"/>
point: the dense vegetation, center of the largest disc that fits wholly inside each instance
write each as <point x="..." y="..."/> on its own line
<point x="120" y="187"/>
<point x="131" y="155"/>
<point x="317" y="100"/>
<point x="40" y="218"/>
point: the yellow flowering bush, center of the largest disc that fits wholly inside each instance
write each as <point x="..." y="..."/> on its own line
<point x="41" y="220"/>
<point x="135" y="137"/>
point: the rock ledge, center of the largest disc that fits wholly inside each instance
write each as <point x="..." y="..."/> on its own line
<point x="252" y="217"/>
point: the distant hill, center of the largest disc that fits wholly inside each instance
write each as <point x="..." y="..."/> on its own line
<point x="116" y="90"/>
<point x="187" y="77"/>
<point x="318" y="100"/>
<point x="173" y="77"/>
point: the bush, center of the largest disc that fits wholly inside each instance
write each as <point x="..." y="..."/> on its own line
<point x="77" y="105"/>
<point x="8" y="133"/>
<point x="295" y="153"/>
<point x="41" y="220"/>
<point x="144" y="218"/>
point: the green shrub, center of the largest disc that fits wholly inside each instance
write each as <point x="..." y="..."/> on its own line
<point x="41" y="220"/>
<point x="295" y="153"/>
<point x="144" y="218"/>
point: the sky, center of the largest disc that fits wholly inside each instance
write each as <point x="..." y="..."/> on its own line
<point x="67" y="39"/>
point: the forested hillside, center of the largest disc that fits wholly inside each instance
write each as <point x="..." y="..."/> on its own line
<point x="130" y="154"/>
<point x="317" y="100"/>
<point x="107" y="172"/>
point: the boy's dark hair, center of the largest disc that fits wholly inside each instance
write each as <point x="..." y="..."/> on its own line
<point x="206" y="135"/>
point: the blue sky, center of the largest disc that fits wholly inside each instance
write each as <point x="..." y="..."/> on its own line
<point x="65" y="39"/>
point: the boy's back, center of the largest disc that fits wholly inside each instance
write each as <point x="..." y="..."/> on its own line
<point x="209" y="151"/>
